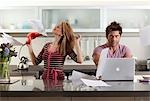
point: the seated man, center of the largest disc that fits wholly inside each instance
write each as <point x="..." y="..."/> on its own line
<point x="116" y="50"/>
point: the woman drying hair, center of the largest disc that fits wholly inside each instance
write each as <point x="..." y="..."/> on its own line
<point x="54" y="53"/>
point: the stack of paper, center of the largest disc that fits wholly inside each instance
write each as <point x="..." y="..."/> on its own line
<point x="94" y="83"/>
<point x="101" y="63"/>
<point x="9" y="39"/>
<point x="146" y="78"/>
<point x="76" y="75"/>
<point x="79" y="78"/>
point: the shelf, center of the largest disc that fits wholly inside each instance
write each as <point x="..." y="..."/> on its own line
<point x="81" y="30"/>
<point x="50" y="30"/>
<point x="17" y="30"/>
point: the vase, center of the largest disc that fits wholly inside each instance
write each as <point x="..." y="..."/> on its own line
<point x="4" y="71"/>
<point x="4" y="87"/>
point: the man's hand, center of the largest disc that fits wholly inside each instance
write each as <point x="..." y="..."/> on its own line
<point x="99" y="78"/>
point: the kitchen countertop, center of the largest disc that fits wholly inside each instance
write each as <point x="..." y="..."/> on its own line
<point x="67" y="88"/>
<point x="36" y="70"/>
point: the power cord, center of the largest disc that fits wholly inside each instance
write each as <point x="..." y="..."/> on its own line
<point x="20" y="51"/>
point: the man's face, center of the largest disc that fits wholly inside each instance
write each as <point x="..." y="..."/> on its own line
<point x="113" y="38"/>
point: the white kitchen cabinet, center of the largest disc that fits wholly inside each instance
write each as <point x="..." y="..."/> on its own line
<point x="81" y="19"/>
<point x="14" y="19"/>
<point x="96" y="19"/>
<point x="130" y="19"/>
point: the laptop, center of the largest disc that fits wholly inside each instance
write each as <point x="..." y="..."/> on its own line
<point x="116" y="69"/>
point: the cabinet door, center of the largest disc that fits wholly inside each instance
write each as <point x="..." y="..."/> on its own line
<point x="80" y="19"/>
<point x="13" y="19"/>
<point x="130" y="19"/>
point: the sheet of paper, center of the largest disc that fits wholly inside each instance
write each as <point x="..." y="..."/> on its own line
<point x="9" y="39"/>
<point x="94" y="83"/>
<point x="101" y="62"/>
<point x="145" y="36"/>
<point x="76" y="75"/>
<point x="76" y="78"/>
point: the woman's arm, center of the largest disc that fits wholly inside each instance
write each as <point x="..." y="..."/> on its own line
<point x="32" y="55"/>
<point x="78" y="49"/>
<point x="36" y="60"/>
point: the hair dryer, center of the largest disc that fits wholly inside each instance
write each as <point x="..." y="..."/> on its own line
<point x="33" y="35"/>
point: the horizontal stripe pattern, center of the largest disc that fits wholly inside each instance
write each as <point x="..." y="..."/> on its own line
<point x="56" y="59"/>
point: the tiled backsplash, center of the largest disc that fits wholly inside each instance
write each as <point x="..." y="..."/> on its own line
<point x="88" y="43"/>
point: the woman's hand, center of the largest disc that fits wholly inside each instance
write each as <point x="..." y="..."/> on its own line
<point x="78" y="49"/>
<point x="32" y="35"/>
<point x="29" y="47"/>
<point x="78" y="40"/>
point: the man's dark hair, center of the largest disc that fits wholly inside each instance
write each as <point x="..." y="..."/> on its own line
<point x="114" y="26"/>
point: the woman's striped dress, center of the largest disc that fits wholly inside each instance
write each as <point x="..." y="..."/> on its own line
<point x="53" y="60"/>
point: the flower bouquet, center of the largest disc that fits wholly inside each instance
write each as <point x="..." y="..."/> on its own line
<point x="6" y="52"/>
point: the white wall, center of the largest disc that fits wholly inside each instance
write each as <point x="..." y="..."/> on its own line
<point x="37" y="45"/>
<point x="137" y="49"/>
